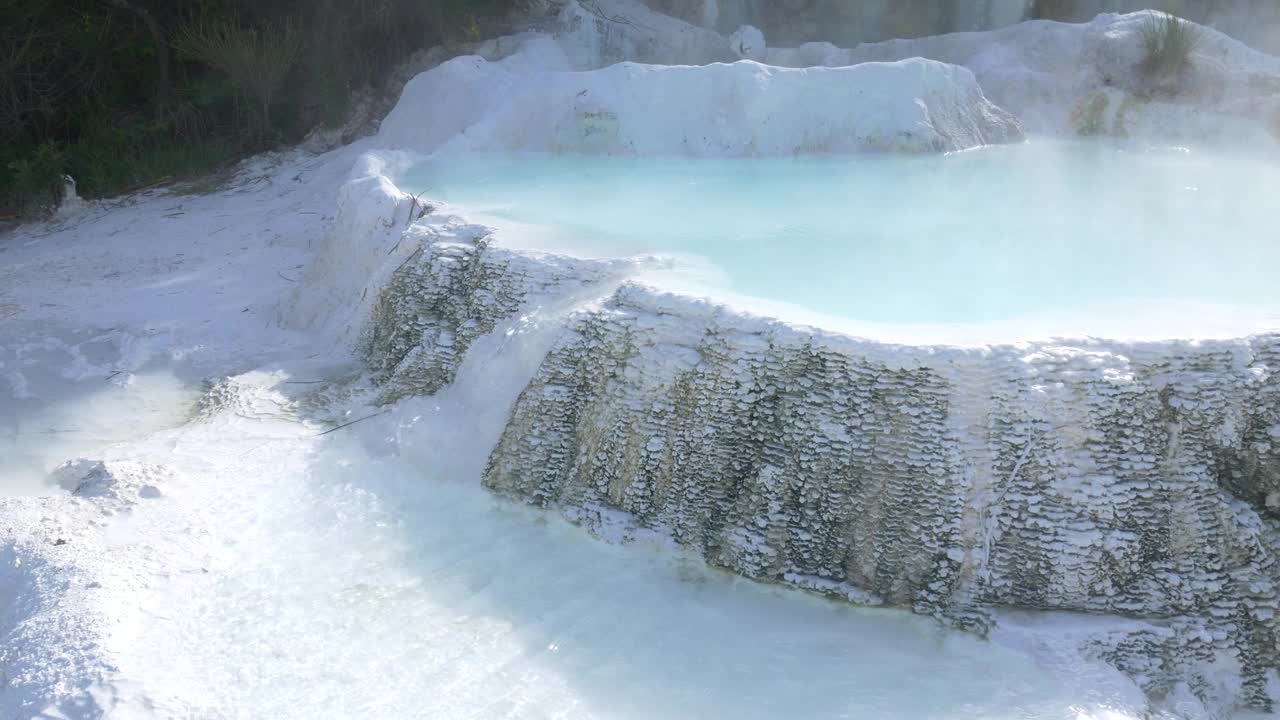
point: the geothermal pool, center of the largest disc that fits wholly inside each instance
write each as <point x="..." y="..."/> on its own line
<point x="987" y="235"/>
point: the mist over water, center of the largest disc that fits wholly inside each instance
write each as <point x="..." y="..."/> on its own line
<point x="992" y="234"/>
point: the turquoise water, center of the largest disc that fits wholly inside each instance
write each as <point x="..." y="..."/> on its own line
<point x="992" y="234"/>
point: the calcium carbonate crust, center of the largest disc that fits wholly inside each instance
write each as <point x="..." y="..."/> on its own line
<point x="453" y="290"/>
<point x="1088" y="79"/>
<point x="1136" y="480"/>
<point x="1097" y="478"/>
<point x="61" y="577"/>
<point x="743" y="109"/>
<point x="1055" y="77"/>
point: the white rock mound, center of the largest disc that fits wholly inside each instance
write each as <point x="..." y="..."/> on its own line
<point x="1087" y="78"/>
<point x="722" y="110"/>
<point x="123" y="481"/>
<point x="596" y="33"/>
<point x="748" y="43"/>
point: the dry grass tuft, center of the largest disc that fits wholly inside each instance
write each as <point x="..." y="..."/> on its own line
<point x="256" y="59"/>
<point x="1168" y="43"/>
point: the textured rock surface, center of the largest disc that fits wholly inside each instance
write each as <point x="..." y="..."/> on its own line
<point x="1120" y="480"/>
<point x="748" y="43"/>
<point x="1044" y="71"/>
<point x="596" y="33"/>
<point x="454" y="289"/>
<point x="1251" y="21"/>
<point x="1129" y="480"/>
<point x="122" y="481"/>
<point x="848" y="23"/>
<point x="742" y="109"/>
<point x="839" y="21"/>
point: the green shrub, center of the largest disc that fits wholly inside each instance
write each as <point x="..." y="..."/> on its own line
<point x="1167" y="43"/>
<point x="91" y="88"/>
<point x="113" y="159"/>
<point x="36" y="180"/>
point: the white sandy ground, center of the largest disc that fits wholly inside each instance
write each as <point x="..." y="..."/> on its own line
<point x="161" y="288"/>
<point x="177" y="582"/>
<point x="185" y="283"/>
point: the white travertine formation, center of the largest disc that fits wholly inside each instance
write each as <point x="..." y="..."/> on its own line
<point x="740" y="109"/>
<point x="748" y="43"/>
<point x="1060" y="78"/>
<point x="596" y="33"/>
<point x="1124" y="478"/>
<point x="1139" y="480"/>
<point x="1052" y="74"/>
<point x="849" y="23"/>
<point x="796" y="21"/>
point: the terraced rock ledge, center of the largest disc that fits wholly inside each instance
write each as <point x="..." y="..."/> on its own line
<point x="1136" y="480"/>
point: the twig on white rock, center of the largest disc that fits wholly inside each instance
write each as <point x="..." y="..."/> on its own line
<point x="353" y="422"/>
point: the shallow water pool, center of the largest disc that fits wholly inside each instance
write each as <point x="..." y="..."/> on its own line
<point x="992" y="234"/>
<point x="68" y="395"/>
<point x="373" y="587"/>
<point x="366" y="573"/>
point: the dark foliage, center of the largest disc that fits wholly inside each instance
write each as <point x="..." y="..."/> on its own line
<point x="122" y="93"/>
